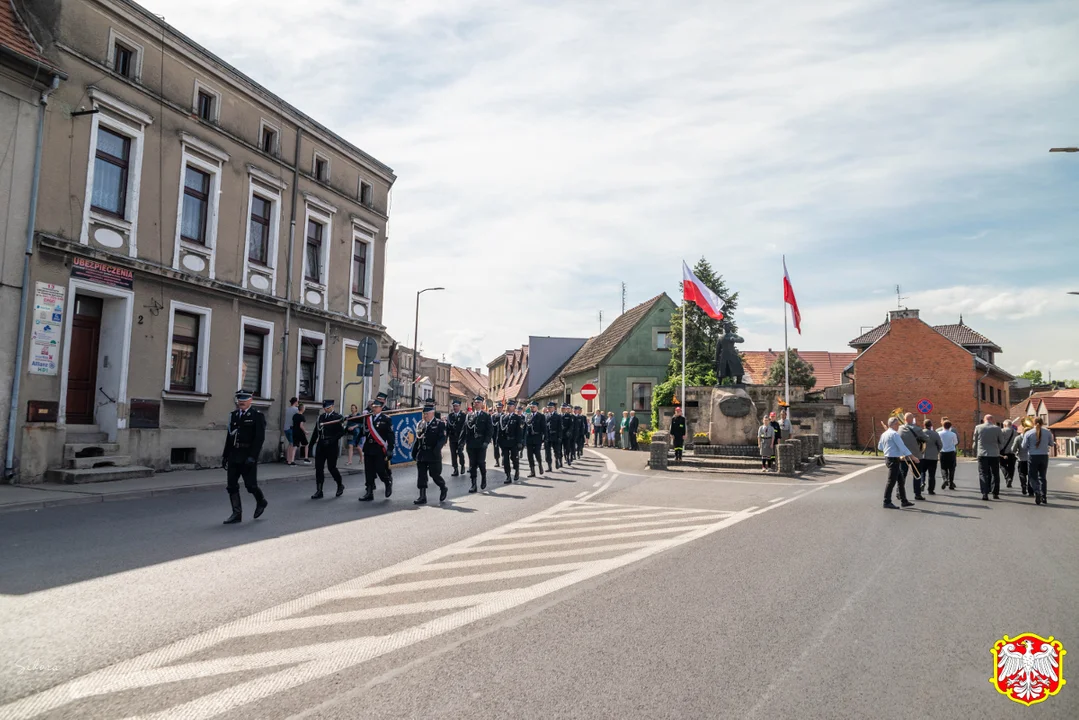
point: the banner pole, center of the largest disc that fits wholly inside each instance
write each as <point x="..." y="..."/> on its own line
<point x="786" y="352"/>
<point x="684" y="330"/>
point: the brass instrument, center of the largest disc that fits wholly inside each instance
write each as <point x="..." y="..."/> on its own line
<point x="898" y="412"/>
<point x="1027" y="423"/>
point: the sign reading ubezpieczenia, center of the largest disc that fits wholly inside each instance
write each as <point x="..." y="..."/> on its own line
<point x="47" y="329"/>
<point x="101" y="273"/>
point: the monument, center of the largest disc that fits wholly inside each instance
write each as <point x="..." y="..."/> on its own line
<point x="734" y="418"/>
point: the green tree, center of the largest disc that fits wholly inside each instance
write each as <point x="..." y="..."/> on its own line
<point x="1034" y="376"/>
<point x="1071" y="383"/>
<point x="801" y="372"/>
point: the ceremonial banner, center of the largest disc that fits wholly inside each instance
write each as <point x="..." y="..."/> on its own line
<point x="404" y="435"/>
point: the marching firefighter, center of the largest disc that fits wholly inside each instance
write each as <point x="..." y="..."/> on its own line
<point x="476" y="435"/>
<point x="329" y="427"/>
<point x="377" y="432"/>
<point x="243" y="444"/>
<point x="554" y="436"/>
<point x="510" y="435"/>
<point x="535" y="432"/>
<point x="455" y="426"/>
<point x="427" y="452"/>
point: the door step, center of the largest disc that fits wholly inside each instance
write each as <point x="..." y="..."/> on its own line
<point x="98" y="461"/>
<point x="85" y="434"/>
<point x="91" y="449"/>
<point x="72" y="476"/>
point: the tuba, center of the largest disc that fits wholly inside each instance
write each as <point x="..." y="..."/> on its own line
<point x="897" y="413"/>
<point x="1027" y="423"/>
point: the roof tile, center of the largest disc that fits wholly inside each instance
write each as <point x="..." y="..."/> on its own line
<point x="15" y="36"/>
<point x="827" y="366"/>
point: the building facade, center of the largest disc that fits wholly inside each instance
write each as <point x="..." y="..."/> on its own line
<point x="466" y="384"/>
<point x="508" y="374"/>
<point x="905" y="361"/>
<point x="195" y="234"/>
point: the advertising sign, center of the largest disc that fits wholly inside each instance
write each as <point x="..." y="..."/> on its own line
<point x="47" y="329"/>
<point x="101" y="273"/>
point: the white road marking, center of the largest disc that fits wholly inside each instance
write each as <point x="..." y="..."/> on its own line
<point x="595" y="484"/>
<point x="617" y="526"/>
<point x="775" y="500"/>
<point x="589" y="538"/>
<point x="581" y="495"/>
<point x="590" y="520"/>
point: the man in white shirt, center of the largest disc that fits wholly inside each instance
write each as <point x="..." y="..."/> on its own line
<point x="896" y="456"/>
<point x="949" y="441"/>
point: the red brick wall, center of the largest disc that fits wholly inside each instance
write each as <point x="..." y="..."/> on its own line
<point x="913" y="361"/>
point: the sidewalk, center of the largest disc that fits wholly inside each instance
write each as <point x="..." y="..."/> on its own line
<point x="44" y="495"/>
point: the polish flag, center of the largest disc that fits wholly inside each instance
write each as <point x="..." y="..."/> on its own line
<point x="788" y="297"/>
<point x="696" y="291"/>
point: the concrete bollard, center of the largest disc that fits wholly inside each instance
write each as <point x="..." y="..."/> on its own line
<point x="785" y="457"/>
<point x="657" y="459"/>
<point x="814" y="444"/>
<point x="796" y="444"/>
<point x="804" y="448"/>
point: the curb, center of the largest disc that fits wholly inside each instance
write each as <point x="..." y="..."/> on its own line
<point x="90" y="498"/>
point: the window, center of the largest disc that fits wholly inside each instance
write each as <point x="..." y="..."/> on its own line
<point x="196" y="205"/>
<point x="258" y="232"/>
<point x="254" y="351"/>
<point x="321" y="168"/>
<point x="366" y="194"/>
<point x="268" y="142"/>
<point x="309" y="352"/>
<point x="359" y="267"/>
<point x="642" y="397"/>
<point x="123" y="60"/>
<point x="983" y="391"/>
<point x="205" y="106"/>
<point x="313" y="270"/>
<point x="185" y="351"/>
<point x="110" y="173"/>
<point x="663" y="340"/>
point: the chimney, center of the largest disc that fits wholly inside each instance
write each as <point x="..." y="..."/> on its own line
<point x="902" y="315"/>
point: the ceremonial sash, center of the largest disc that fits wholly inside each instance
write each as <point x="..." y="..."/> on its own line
<point x="378" y="438"/>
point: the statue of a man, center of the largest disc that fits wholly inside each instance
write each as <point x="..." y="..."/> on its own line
<point x="728" y="364"/>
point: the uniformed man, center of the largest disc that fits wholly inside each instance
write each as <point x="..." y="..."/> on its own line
<point x="455" y="426"/>
<point x="329" y="427"/>
<point x="495" y="417"/>
<point x="427" y="452"/>
<point x="535" y="433"/>
<point x="569" y="434"/>
<point x="1007" y="456"/>
<point x="554" y="436"/>
<point x="243" y="444"/>
<point x="377" y="430"/>
<point x="582" y="430"/>
<point x="988" y="442"/>
<point x="477" y="434"/>
<point x="678" y="432"/>
<point x="915" y="439"/>
<point x="510" y="434"/>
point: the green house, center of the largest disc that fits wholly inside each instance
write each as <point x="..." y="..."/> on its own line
<point x="625" y="362"/>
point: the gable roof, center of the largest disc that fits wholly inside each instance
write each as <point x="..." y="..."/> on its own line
<point x="553" y="386"/>
<point x="1070" y="422"/>
<point x="827" y="366"/>
<point x="1056" y="403"/>
<point x="602" y="346"/>
<point x="466" y="383"/>
<point x="16" y="38"/>
<point x="958" y="333"/>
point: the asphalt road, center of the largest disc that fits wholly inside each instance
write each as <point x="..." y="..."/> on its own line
<point x="603" y="591"/>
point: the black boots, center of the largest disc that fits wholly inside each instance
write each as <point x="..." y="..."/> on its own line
<point x="443" y="491"/>
<point x="483" y="481"/>
<point x="422" y="499"/>
<point x="318" y="491"/>
<point x="260" y="503"/>
<point x="473" y="488"/>
<point x="237" y="509"/>
<point x="389" y="487"/>
<point x="340" y="489"/>
<point x="368" y="496"/>
<point x="549" y="468"/>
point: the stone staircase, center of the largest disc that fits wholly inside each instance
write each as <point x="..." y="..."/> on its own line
<point x="90" y="457"/>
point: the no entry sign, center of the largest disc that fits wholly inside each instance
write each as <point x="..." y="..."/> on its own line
<point x="925" y="406"/>
<point x="589" y="392"/>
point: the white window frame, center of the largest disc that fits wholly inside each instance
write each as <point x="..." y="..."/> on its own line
<point x="320" y="363"/>
<point x="110" y="60"/>
<point x="195" y="153"/>
<point x="323" y="212"/>
<point x="366" y="234"/>
<point x="265" y="124"/>
<point x="131" y="123"/>
<point x="200" y="86"/>
<point x="314" y="167"/>
<point x="266" y="391"/>
<point x="269" y="188"/>
<point x="202" y="371"/>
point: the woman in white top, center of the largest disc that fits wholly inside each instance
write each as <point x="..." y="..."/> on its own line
<point x="765" y="435"/>
<point x="1037" y="443"/>
<point x="948" y="442"/>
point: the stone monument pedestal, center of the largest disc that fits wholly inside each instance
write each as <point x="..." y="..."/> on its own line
<point x="734" y="418"/>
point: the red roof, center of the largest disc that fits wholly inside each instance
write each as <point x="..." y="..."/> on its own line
<point x="958" y="333"/>
<point x="827" y="366"/>
<point x="1071" y="422"/>
<point x="1057" y="403"/>
<point x="15" y="36"/>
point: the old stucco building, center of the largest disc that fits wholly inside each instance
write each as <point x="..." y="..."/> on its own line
<point x="195" y="234"/>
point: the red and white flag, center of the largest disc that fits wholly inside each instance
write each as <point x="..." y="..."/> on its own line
<point x="696" y="291"/>
<point x="788" y="297"/>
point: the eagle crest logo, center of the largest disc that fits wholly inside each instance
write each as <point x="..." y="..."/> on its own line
<point x="1028" y="668"/>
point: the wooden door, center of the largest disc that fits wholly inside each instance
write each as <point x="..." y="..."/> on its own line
<point x="82" y="366"/>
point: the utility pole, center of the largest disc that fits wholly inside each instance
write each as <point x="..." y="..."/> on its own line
<point x="623" y="298"/>
<point x="601" y="321"/>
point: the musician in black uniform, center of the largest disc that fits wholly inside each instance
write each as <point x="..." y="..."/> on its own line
<point x="455" y="425"/>
<point x="377" y="430"/>
<point x="582" y="429"/>
<point x="535" y="433"/>
<point x="510" y="434"/>
<point x="476" y="435"/>
<point x="496" y="416"/>
<point x="243" y="444"/>
<point x="569" y="434"/>
<point x="678" y="432"/>
<point x="427" y="452"/>
<point x="554" y="435"/>
<point x="329" y="427"/>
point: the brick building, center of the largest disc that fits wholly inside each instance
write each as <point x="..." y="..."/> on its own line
<point x="905" y="360"/>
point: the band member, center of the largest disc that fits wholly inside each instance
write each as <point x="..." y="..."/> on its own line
<point x="988" y="442"/>
<point x="678" y="433"/>
<point x="949" y="441"/>
<point x="914" y="438"/>
<point x="766" y="435"/>
<point x="933" y="447"/>
<point x="554" y="436"/>
<point x="895" y="454"/>
<point x="243" y="444"/>
<point x="427" y="452"/>
<point x="329" y="427"/>
<point x="1019" y="448"/>
<point x="1038" y="441"/>
<point x="569" y="434"/>
<point x="535" y="433"/>
<point x="510" y="434"/>
<point x="377" y="450"/>
<point x="477" y="434"/>
<point x="496" y="416"/>
<point x="1007" y="456"/>
<point x="455" y="426"/>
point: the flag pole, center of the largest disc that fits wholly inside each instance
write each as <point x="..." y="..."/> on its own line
<point x="684" y="346"/>
<point x="786" y="350"/>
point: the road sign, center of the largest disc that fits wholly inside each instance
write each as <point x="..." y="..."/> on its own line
<point x="925" y="406"/>
<point x="589" y="392"/>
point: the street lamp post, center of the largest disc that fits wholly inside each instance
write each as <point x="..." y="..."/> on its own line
<point x="1065" y="149"/>
<point x="416" y="342"/>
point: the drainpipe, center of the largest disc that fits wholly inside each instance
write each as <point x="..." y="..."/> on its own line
<point x="288" y="281"/>
<point x="16" y="383"/>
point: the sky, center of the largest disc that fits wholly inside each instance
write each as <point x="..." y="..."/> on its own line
<point x="547" y="152"/>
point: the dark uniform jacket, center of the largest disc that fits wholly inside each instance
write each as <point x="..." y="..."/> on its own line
<point x="382" y="428"/>
<point x="477" y="432"/>
<point x="554" y="428"/>
<point x="430" y="437"/>
<point x="495" y="417"/>
<point x="536" y="429"/>
<point x="634" y="424"/>
<point x="455" y="425"/>
<point x="510" y="430"/>
<point x="678" y="426"/>
<point x="247" y="432"/>
<point x="327" y="431"/>
<point x="570" y="428"/>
